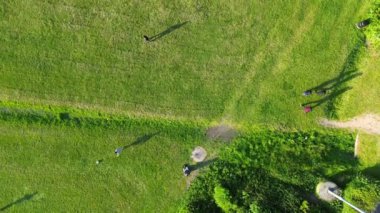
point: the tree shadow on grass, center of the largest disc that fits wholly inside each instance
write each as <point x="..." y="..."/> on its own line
<point x="342" y="162"/>
<point x="345" y="159"/>
<point x="286" y="193"/>
<point x="167" y="31"/>
<point x="324" y="155"/>
<point x="345" y="177"/>
<point x="142" y="139"/>
<point x="373" y="172"/>
<point x="19" y="201"/>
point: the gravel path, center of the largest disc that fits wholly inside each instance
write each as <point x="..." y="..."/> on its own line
<point x="369" y="123"/>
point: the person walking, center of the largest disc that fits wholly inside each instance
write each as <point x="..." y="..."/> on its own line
<point x="307" y="93"/>
<point x="118" y="151"/>
<point x="186" y="170"/>
<point x="307" y="109"/>
<point x="146" y="38"/>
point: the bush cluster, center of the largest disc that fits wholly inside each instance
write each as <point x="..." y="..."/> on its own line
<point x="363" y="192"/>
<point x="274" y="172"/>
<point x="372" y="32"/>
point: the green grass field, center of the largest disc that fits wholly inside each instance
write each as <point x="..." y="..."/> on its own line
<point x="58" y="163"/>
<point x="364" y="97"/>
<point x="244" y="63"/>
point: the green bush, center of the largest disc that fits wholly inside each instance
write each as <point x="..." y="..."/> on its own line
<point x="372" y="32"/>
<point x="273" y="172"/>
<point x="223" y="199"/>
<point x="363" y="193"/>
<point x="304" y="208"/>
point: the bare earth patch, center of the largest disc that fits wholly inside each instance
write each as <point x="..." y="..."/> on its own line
<point x="369" y="123"/>
<point x="221" y="132"/>
<point x="198" y="154"/>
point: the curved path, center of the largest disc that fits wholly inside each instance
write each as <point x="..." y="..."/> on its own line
<point x="369" y="123"/>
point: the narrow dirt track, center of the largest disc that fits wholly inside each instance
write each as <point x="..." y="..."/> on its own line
<point x="369" y="123"/>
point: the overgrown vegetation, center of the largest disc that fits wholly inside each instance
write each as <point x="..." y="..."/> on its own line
<point x="274" y="172"/>
<point x="372" y="32"/>
<point x="364" y="193"/>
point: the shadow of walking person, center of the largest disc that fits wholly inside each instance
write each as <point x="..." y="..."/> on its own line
<point x="349" y="71"/>
<point x="337" y="81"/>
<point x="21" y="200"/>
<point x="167" y="31"/>
<point x="373" y="172"/>
<point x="141" y="139"/>
<point x="202" y="164"/>
<point x="329" y="97"/>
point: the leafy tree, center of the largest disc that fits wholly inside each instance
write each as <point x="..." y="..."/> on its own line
<point x="223" y="199"/>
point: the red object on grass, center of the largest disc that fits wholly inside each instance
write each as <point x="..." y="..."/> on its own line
<point x="307" y="109"/>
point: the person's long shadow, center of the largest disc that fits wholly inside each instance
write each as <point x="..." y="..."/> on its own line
<point x="329" y="97"/>
<point x="348" y="72"/>
<point x="141" y="139"/>
<point x="21" y="200"/>
<point x="335" y="82"/>
<point x="202" y="164"/>
<point x="333" y="87"/>
<point x="167" y="31"/>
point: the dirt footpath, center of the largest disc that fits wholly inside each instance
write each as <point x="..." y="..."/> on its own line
<point x="222" y="132"/>
<point x="369" y="123"/>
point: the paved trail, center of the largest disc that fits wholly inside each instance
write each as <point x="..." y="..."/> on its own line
<point x="369" y="123"/>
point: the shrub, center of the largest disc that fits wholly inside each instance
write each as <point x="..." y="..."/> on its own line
<point x="272" y="172"/>
<point x="372" y="32"/>
<point x="223" y="199"/>
<point x="363" y="193"/>
<point x="304" y="208"/>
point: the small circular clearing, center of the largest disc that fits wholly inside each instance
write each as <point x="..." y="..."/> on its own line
<point x="199" y="154"/>
<point x="322" y="191"/>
